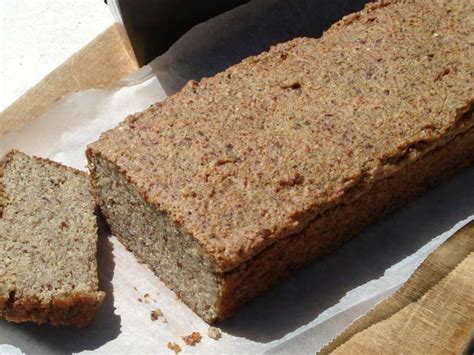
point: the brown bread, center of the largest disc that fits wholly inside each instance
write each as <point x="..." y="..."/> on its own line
<point x="48" y="242"/>
<point x="226" y="187"/>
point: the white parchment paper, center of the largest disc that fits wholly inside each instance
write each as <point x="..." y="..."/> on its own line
<point x="297" y="317"/>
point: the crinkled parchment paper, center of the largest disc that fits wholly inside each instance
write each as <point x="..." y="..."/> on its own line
<point x="297" y="317"/>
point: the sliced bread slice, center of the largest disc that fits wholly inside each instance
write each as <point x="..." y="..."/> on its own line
<point x="48" y="243"/>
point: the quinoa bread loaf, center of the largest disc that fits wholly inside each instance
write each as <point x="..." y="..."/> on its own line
<point x="226" y="187"/>
<point x="48" y="242"/>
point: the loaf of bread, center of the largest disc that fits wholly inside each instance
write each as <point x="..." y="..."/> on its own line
<point x="231" y="184"/>
<point x="48" y="242"/>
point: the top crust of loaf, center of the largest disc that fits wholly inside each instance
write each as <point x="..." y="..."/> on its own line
<point x="252" y="154"/>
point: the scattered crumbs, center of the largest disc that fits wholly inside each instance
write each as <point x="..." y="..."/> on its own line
<point x="146" y="298"/>
<point x="155" y="314"/>
<point x="214" y="333"/>
<point x="135" y="288"/>
<point x="165" y="320"/>
<point x="139" y="299"/>
<point x="192" y="339"/>
<point x="174" y="347"/>
<point x="146" y="295"/>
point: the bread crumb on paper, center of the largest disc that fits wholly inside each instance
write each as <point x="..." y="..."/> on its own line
<point x="192" y="339"/>
<point x="174" y="347"/>
<point x="155" y="314"/>
<point x="214" y="333"/>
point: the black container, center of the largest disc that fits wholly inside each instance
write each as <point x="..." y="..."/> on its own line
<point x="154" y="25"/>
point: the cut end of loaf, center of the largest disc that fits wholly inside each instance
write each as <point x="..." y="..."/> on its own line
<point x="172" y="254"/>
<point x="48" y="243"/>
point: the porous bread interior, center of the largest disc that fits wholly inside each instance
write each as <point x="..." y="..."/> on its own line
<point x="172" y="254"/>
<point x="48" y="234"/>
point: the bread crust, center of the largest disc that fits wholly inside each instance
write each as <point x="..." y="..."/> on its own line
<point x="77" y="309"/>
<point x="334" y="227"/>
<point x="9" y="155"/>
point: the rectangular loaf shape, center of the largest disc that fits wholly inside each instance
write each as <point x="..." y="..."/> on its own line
<point x="231" y="184"/>
<point x="48" y="243"/>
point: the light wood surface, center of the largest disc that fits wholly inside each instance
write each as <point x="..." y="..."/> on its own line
<point x="432" y="313"/>
<point x="106" y="59"/>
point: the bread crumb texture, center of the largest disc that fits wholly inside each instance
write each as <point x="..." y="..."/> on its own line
<point x="155" y="314"/>
<point x="192" y="339"/>
<point x="214" y="333"/>
<point x="254" y="153"/>
<point x="48" y="243"/>
<point x="174" y="347"/>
